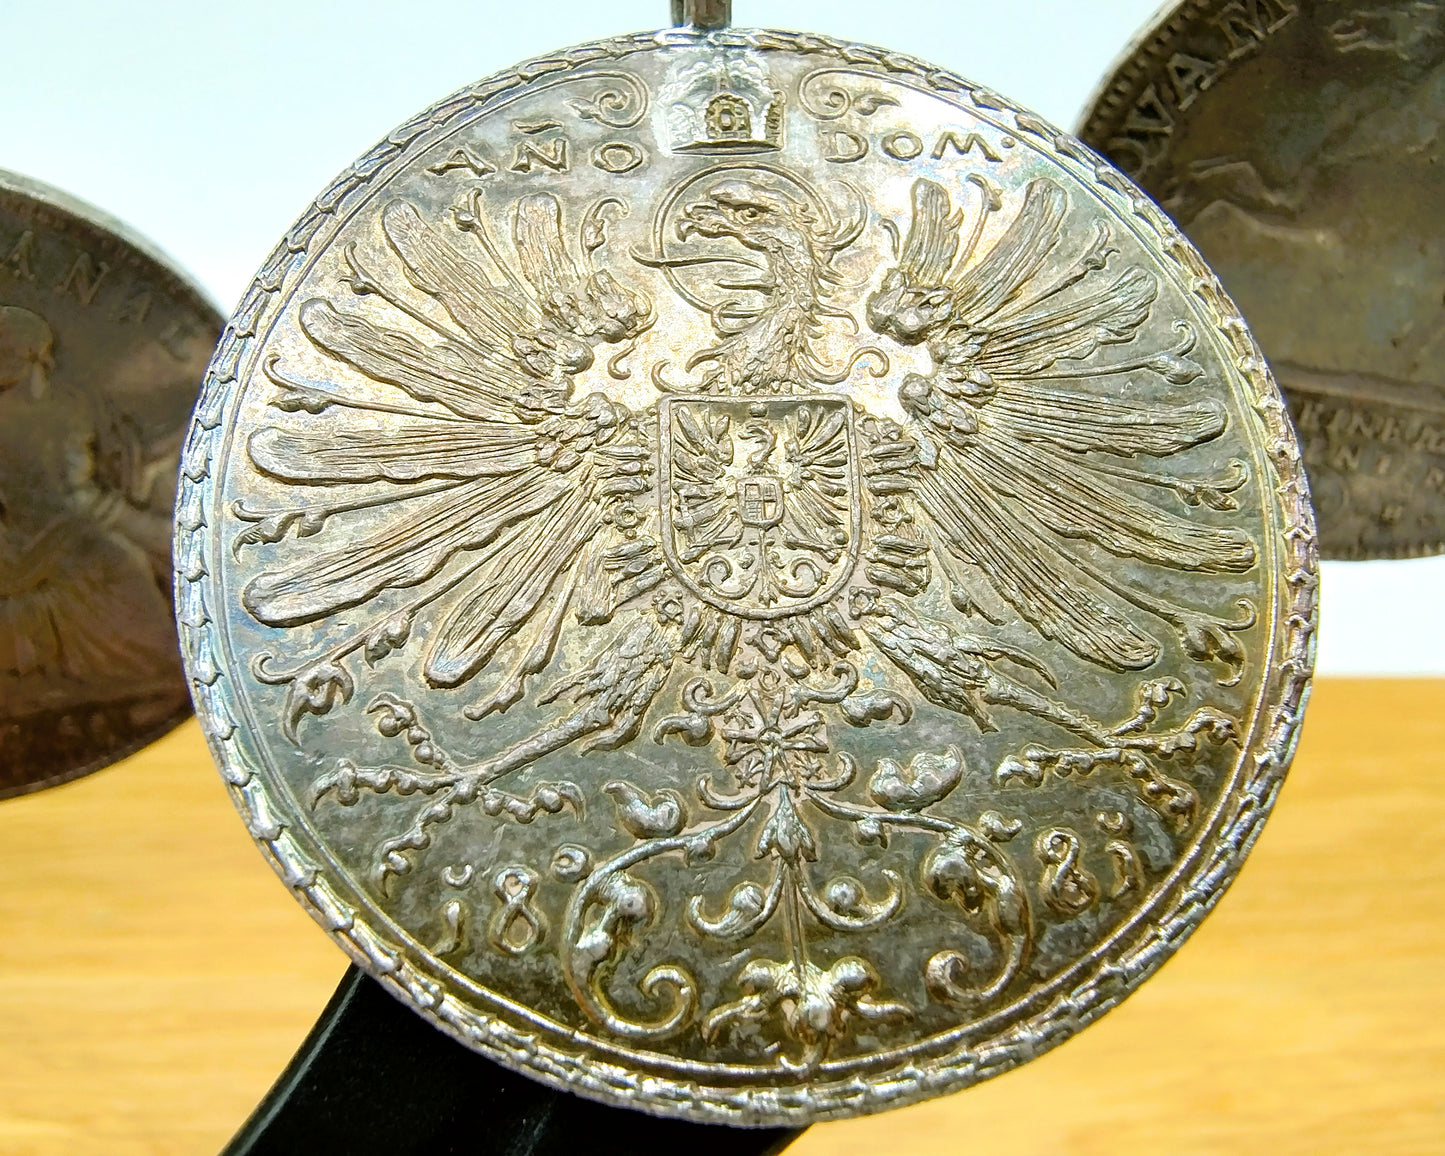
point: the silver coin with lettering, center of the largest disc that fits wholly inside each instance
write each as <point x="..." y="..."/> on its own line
<point x="102" y="347"/>
<point x="1299" y="144"/>
<point x="745" y="576"/>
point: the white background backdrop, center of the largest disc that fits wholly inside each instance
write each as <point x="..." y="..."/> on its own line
<point x="209" y="126"/>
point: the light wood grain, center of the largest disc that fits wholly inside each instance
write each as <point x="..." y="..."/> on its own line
<point x="155" y="976"/>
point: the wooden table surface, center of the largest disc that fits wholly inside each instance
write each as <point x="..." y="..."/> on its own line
<point x="155" y="976"/>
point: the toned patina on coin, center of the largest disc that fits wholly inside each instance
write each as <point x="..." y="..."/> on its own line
<point x="1300" y="145"/>
<point x="102" y="347"/>
<point x="744" y="576"/>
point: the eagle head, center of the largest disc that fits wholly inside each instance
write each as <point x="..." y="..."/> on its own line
<point x="760" y="218"/>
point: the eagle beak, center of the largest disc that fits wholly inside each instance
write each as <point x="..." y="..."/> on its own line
<point x="702" y="218"/>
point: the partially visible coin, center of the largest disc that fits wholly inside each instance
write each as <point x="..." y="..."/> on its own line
<point x="102" y="346"/>
<point x="1301" y="145"/>
<point x="744" y="576"/>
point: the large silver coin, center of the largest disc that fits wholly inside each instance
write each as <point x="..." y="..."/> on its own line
<point x="1298" y="143"/>
<point x="102" y="347"/>
<point x="744" y="576"/>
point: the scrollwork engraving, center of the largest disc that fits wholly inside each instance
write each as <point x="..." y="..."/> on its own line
<point x="1068" y="887"/>
<point x="621" y="104"/>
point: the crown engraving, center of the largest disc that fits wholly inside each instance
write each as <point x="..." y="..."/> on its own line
<point x="723" y="104"/>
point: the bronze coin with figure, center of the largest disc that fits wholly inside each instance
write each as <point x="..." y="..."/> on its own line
<point x="102" y="347"/>
<point x="1299" y="144"/>
<point x="744" y="576"/>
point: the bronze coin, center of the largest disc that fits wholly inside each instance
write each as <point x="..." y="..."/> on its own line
<point x="102" y="347"/>
<point x="1300" y="145"/>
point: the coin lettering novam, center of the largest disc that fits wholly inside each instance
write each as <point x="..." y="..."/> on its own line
<point x="1295" y="143"/>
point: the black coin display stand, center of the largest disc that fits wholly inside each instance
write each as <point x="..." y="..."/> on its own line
<point x="373" y="1077"/>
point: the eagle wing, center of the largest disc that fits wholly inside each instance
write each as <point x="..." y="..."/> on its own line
<point x="463" y="435"/>
<point x="1019" y="475"/>
<point x="818" y="457"/>
<point x="701" y="452"/>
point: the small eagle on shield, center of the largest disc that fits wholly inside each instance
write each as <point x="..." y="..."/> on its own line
<point x="764" y="514"/>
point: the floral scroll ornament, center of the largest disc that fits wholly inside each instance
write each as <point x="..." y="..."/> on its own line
<point x="785" y="781"/>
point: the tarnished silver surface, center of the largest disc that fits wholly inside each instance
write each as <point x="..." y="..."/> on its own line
<point x="744" y="576"/>
<point x="102" y="346"/>
<point x="1299" y="144"/>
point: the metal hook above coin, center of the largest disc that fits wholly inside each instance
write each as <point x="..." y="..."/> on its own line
<point x="702" y="13"/>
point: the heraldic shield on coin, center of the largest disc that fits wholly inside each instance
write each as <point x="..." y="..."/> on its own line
<point x="744" y="576"/>
<point x="102" y="348"/>
<point x="1299" y="144"/>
